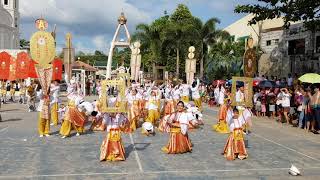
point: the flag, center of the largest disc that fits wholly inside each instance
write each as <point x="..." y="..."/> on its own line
<point x="57" y="69"/>
<point x="4" y="65"/>
<point x="23" y="61"/>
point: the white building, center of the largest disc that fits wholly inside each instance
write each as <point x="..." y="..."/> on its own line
<point x="9" y="24"/>
<point x="284" y="51"/>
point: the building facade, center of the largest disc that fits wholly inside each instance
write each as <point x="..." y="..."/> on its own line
<point x="9" y="24"/>
<point x="284" y="51"/>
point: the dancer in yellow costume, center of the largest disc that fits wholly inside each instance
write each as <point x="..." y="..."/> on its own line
<point x="74" y="119"/>
<point x="222" y="126"/>
<point x="152" y="105"/>
<point x="54" y="89"/>
<point x="44" y="116"/>
<point x="112" y="148"/>
<point x="196" y="95"/>
<point x="134" y="99"/>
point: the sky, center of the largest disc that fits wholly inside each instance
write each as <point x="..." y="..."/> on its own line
<point x="92" y="23"/>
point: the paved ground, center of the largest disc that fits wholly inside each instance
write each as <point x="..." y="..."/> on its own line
<point x="273" y="148"/>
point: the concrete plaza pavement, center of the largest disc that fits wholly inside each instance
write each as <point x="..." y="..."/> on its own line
<point x="273" y="148"/>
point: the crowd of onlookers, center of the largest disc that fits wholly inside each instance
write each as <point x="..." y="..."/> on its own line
<point x="289" y="101"/>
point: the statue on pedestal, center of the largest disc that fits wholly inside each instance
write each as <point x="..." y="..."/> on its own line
<point x="190" y="65"/>
<point x="135" y="63"/>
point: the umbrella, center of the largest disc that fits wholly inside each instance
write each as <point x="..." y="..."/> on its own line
<point x="310" y="78"/>
<point x="239" y="83"/>
<point x="267" y="84"/>
<point x="218" y="82"/>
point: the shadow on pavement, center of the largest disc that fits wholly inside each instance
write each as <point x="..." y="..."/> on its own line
<point x="8" y="120"/>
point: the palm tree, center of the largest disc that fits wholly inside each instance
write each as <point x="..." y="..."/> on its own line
<point x="209" y="35"/>
<point x="149" y="36"/>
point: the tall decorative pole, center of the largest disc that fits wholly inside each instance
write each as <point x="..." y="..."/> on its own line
<point x="122" y="20"/>
<point x="43" y="51"/>
<point x="190" y="65"/>
<point x="135" y="61"/>
<point x="68" y="53"/>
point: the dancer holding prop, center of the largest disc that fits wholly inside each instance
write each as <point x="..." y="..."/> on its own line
<point x="112" y="148"/>
<point x="179" y="141"/>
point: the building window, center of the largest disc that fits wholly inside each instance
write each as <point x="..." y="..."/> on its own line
<point x="296" y="46"/>
<point x="318" y="44"/>
<point x="276" y="41"/>
<point x="6" y="2"/>
<point x="16" y="22"/>
<point x="269" y="43"/>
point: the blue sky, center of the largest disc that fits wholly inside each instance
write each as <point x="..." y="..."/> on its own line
<point x="93" y="22"/>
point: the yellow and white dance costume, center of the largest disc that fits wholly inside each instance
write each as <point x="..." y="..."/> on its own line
<point x="54" y="104"/>
<point x="3" y="93"/>
<point x="44" y="116"/>
<point x="74" y="118"/>
<point x="112" y="148"/>
<point x="185" y="93"/>
<point x="169" y="106"/>
<point x="176" y="94"/>
<point x="235" y="146"/>
<point x="195" y="116"/>
<point x="179" y="141"/>
<point x="196" y="95"/>
<point x="22" y="92"/>
<point x="134" y="108"/>
<point x="152" y="105"/>
<point x="222" y="126"/>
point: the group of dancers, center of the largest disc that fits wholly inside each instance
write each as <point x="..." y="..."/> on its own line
<point x="25" y="90"/>
<point x="170" y="108"/>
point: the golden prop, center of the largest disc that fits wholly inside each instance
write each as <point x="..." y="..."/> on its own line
<point x="121" y="103"/>
<point x="248" y="92"/>
<point x="42" y="45"/>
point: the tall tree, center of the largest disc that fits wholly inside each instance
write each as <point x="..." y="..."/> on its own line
<point x="209" y="35"/>
<point x="307" y="11"/>
<point x="180" y="32"/>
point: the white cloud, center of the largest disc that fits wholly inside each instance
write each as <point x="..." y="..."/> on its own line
<point x="99" y="42"/>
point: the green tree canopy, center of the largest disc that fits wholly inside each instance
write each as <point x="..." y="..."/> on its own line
<point x="307" y="11"/>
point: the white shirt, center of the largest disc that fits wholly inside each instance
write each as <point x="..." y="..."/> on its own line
<point x="152" y="103"/>
<point x="285" y="99"/>
<point x="183" y="118"/>
<point x="195" y="91"/>
<point x="132" y="98"/>
<point x="114" y="122"/>
<point x="176" y="94"/>
<point x="221" y="96"/>
<point x="234" y="123"/>
<point x="185" y="89"/>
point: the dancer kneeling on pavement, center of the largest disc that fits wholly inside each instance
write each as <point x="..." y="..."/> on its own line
<point x="179" y="141"/>
<point x="76" y="116"/>
<point x="235" y="146"/>
<point x="112" y="148"/>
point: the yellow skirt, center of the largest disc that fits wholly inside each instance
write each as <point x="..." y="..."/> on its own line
<point x="67" y="126"/>
<point x="112" y="148"/>
<point x="153" y="116"/>
<point x="198" y="103"/>
<point x="54" y="114"/>
<point x="221" y="127"/>
<point x="185" y="99"/>
<point x="178" y="143"/>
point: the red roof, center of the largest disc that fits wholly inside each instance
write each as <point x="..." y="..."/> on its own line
<point x="82" y="65"/>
